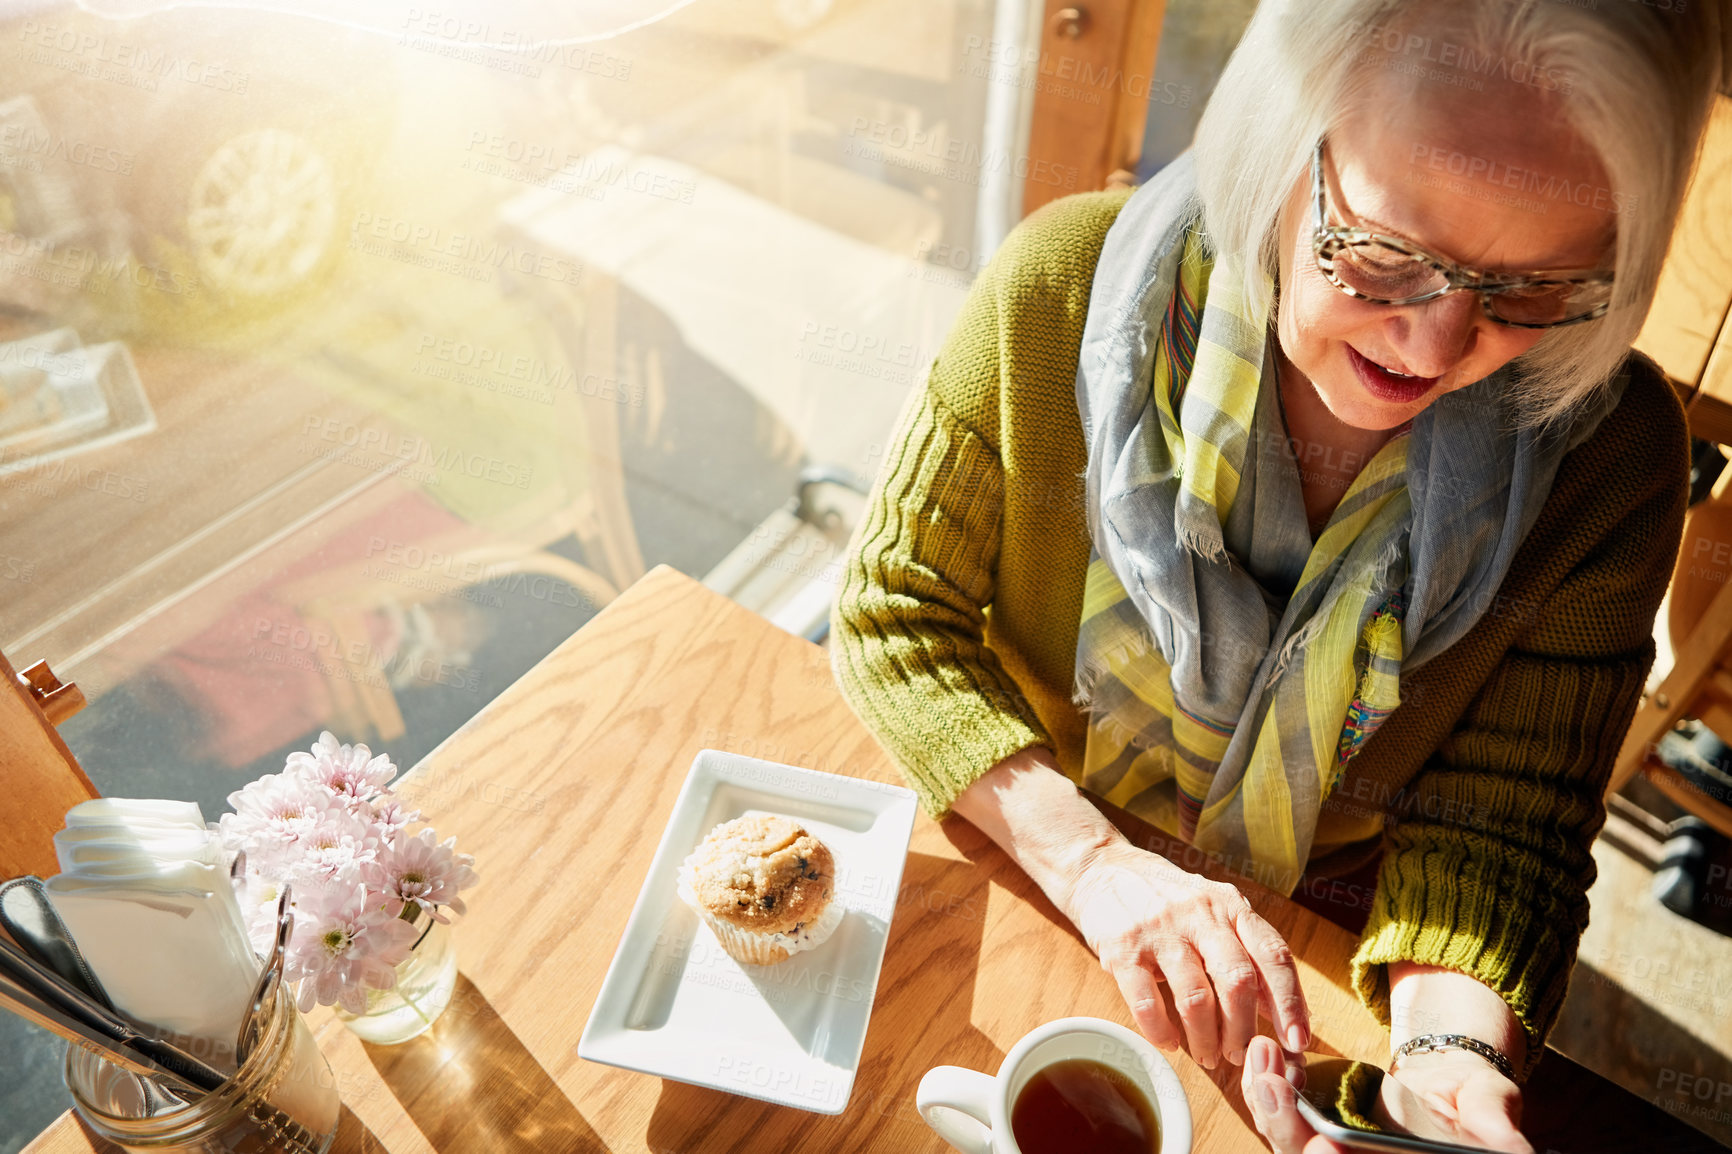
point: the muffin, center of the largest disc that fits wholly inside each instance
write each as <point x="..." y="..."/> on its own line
<point x="764" y="886"/>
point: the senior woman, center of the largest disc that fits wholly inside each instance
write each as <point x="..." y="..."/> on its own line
<point x="1309" y="503"/>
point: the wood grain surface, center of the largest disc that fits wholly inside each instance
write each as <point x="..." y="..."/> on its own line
<point x="43" y="780"/>
<point x="561" y="788"/>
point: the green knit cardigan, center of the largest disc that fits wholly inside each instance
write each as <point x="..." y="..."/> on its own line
<point x="955" y="631"/>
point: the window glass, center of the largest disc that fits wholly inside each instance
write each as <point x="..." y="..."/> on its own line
<point x="345" y="370"/>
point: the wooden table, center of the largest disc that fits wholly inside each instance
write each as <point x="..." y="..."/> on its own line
<point x="561" y="788"/>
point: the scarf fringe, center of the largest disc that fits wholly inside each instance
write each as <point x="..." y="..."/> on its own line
<point x="1387" y="557"/>
<point x="1209" y="546"/>
<point x="1083" y="687"/>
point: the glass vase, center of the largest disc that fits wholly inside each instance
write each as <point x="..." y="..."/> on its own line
<point x="283" y="1098"/>
<point x="425" y="980"/>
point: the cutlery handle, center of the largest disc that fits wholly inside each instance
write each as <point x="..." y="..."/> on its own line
<point x="67" y="1001"/>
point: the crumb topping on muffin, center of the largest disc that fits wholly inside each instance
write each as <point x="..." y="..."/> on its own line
<point x="765" y="874"/>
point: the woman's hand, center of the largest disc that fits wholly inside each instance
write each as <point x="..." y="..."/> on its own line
<point x="1146" y="919"/>
<point x="1450" y="1097"/>
<point x="1151" y="922"/>
<point x="1453" y="1096"/>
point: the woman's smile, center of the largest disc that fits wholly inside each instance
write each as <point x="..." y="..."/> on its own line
<point x="1386" y="384"/>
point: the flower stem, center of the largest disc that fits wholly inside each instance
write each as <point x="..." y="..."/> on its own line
<point x="413" y="1005"/>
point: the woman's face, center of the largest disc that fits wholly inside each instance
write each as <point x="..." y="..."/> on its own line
<point x="1475" y="177"/>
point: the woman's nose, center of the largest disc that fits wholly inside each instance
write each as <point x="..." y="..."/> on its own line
<point x="1434" y="337"/>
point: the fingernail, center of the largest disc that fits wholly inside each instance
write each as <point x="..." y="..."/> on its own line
<point x="1265" y="1096"/>
<point x="1237" y="1057"/>
<point x="1296" y="1038"/>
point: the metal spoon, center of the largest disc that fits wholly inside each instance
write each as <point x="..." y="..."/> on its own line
<point x="265" y="992"/>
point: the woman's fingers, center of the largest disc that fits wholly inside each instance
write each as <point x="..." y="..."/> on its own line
<point x="1273" y="959"/>
<point x="1194" y="1000"/>
<point x="1488" y="1109"/>
<point x="1143" y="995"/>
<point x="1273" y="1111"/>
<point x="1236" y="982"/>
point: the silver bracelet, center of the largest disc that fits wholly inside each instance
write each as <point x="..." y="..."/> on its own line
<point x="1431" y="1043"/>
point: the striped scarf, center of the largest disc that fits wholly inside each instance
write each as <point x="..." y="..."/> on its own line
<point x="1156" y="745"/>
<point x="1230" y="666"/>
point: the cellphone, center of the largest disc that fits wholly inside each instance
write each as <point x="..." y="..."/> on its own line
<point x="1317" y="1104"/>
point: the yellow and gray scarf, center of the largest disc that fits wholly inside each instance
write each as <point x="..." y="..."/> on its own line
<point x="1229" y="665"/>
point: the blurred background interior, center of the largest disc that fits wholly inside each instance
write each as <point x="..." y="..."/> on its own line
<point x="347" y="370"/>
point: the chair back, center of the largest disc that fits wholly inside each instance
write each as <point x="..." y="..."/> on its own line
<point x="41" y="778"/>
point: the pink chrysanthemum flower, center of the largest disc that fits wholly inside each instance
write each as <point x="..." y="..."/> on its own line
<point x="272" y="819"/>
<point x="344" y="944"/>
<point x="391" y="817"/>
<point x="351" y="772"/>
<point x="336" y="851"/>
<point x="258" y="896"/>
<point x="425" y="872"/>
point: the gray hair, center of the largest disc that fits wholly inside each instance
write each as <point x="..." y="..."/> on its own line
<point x="1635" y="82"/>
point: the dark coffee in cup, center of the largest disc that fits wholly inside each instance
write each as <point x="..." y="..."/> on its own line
<point x="1080" y="1106"/>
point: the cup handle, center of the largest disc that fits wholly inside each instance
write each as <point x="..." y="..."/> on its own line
<point x="957" y="1104"/>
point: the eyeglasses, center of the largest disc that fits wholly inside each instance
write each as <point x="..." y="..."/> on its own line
<point x="1386" y="270"/>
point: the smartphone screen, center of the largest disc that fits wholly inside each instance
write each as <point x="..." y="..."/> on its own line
<point x="1331" y="1102"/>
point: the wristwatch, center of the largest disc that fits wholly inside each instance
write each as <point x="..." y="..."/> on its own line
<point x="1432" y="1043"/>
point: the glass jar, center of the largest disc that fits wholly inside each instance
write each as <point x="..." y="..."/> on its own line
<point x="425" y="982"/>
<point x="283" y="1098"/>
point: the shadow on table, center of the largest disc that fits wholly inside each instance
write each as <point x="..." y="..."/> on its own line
<point x="353" y="1137"/>
<point x="469" y="1084"/>
<point x="1573" y="1110"/>
<point x="921" y="1017"/>
<point x="820" y="995"/>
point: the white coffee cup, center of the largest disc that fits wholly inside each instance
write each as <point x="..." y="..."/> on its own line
<point x="971" y="1110"/>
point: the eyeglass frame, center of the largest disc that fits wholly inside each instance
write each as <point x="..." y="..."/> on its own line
<point x="1328" y="240"/>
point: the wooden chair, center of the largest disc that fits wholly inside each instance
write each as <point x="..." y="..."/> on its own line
<point x="1699" y="686"/>
<point x="1689" y="333"/>
<point x="337" y="601"/>
<point x="43" y="779"/>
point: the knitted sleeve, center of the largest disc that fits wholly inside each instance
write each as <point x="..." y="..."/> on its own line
<point x="1487" y="865"/>
<point x="909" y="621"/>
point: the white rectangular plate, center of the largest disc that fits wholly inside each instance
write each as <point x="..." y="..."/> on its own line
<point x="676" y="1005"/>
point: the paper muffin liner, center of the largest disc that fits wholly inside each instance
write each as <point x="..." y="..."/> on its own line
<point x="759" y="949"/>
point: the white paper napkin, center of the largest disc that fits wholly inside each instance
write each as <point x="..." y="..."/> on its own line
<point x="144" y="891"/>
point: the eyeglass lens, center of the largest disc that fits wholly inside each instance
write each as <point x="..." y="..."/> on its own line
<point x="1379" y="272"/>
